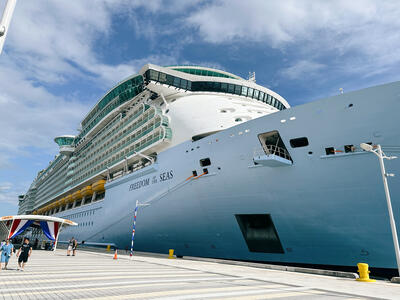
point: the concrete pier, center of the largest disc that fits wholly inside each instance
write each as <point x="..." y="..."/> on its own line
<point x="93" y="275"/>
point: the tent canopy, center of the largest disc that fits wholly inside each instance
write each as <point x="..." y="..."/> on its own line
<point x="51" y="226"/>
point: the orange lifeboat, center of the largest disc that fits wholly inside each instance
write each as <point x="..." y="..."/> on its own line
<point x="87" y="191"/>
<point x="98" y="186"/>
<point x="69" y="199"/>
<point x="77" y="195"/>
<point x="61" y="201"/>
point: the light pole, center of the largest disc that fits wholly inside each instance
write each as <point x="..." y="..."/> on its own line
<point x="377" y="150"/>
<point x="5" y="21"/>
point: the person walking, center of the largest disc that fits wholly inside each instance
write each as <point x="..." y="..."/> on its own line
<point x="24" y="253"/>
<point x="6" y="252"/>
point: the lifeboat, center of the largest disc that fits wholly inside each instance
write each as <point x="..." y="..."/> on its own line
<point x="98" y="186"/>
<point x="69" y="199"/>
<point x="77" y="195"/>
<point x="62" y="201"/>
<point x="87" y="191"/>
<point x="34" y="212"/>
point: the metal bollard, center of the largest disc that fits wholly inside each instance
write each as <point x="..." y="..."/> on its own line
<point x="171" y="254"/>
<point x="108" y="248"/>
<point x="364" y="273"/>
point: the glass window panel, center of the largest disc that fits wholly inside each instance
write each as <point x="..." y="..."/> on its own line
<point x="177" y="81"/>
<point x="210" y="86"/>
<point x="189" y="85"/>
<point x="217" y="86"/>
<point x="273" y="101"/>
<point x="268" y="99"/>
<point x="231" y="88"/>
<point x="250" y="92"/>
<point x="255" y="95"/>
<point x="170" y="79"/>
<point x="261" y="96"/>
<point x="238" y="89"/>
<point x="162" y="77"/>
<point x="183" y="83"/>
<point x="244" y="90"/>
<point x="224" y="87"/>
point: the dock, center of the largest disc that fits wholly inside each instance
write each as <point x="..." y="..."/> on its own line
<point x="96" y="275"/>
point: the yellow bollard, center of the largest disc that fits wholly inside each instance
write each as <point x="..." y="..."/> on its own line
<point x="108" y="248"/>
<point x="364" y="273"/>
<point x="171" y="254"/>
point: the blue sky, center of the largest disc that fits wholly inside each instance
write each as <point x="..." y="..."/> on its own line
<point x="62" y="56"/>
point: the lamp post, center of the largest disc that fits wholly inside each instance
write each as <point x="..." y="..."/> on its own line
<point x="5" y="21"/>
<point x="377" y="150"/>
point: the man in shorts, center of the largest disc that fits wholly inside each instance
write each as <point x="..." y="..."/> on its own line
<point x="23" y="253"/>
<point x="6" y="252"/>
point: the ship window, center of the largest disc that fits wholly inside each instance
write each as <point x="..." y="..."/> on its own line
<point x="177" y="81"/>
<point x="170" y="79"/>
<point x="205" y="162"/>
<point x="183" y="83"/>
<point x="163" y="77"/>
<point x="238" y="89"/>
<point x="153" y="75"/>
<point x="224" y="87"/>
<point x="244" y="90"/>
<point x="349" y="148"/>
<point x="231" y="88"/>
<point x="299" y="142"/>
<point x="250" y="92"/>
<point x="259" y="233"/>
<point x="330" y="151"/>
<point x="255" y="94"/>
<point x="78" y="203"/>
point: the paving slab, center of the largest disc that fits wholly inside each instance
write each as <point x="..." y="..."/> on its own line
<point x="96" y="275"/>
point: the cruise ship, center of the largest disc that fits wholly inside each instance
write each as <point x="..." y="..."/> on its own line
<point x="219" y="166"/>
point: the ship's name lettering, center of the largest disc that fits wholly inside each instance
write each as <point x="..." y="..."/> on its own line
<point x="139" y="184"/>
<point x="164" y="176"/>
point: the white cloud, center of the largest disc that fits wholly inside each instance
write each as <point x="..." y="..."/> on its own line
<point x="9" y="193"/>
<point x="5" y="186"/>
<point x="302" y="68"/>
<point x="367" y="29"/>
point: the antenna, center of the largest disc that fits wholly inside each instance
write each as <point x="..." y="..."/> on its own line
<point x="252" y="76"/>
<point x="5" y="21"/>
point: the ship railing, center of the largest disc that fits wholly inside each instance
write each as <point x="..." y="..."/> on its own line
<point x="272" y="150"/>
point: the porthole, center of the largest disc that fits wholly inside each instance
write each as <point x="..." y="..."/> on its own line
<point x="238" y="120"/>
